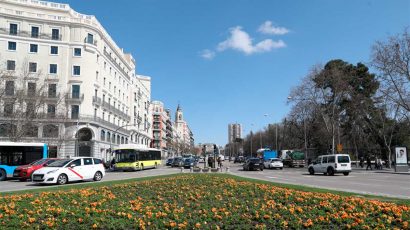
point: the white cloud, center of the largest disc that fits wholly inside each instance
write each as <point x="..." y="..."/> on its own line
<point x="241" y="41"/>
<point x="268" y="28"/>
<point x="207" y="54"/>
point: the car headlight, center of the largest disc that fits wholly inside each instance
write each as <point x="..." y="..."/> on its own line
<point x="52" y="171"/>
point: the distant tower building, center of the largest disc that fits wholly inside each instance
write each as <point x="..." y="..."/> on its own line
<point x="234" y="131"/>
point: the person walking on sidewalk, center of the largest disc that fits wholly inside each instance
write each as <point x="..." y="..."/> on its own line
<point x="369" y="163"/>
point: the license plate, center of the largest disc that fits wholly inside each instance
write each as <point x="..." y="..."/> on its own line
<point x="15" y="174"/>
<point x="344" y="164"/>
<point x="37" y="177"/>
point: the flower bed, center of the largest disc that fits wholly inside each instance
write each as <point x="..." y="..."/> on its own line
<point x="196" y="201"/>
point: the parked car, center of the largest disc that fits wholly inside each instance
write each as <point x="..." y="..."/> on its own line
<point x="331" y="164"/>
<point x="189" y="162"/>
<point x="24" y="172"/>
<point x="177" y="162"/>
<point x="67" y="170"/>
<point x="253" y="164"/>
<point x="273" y="163"/>
<point x="169" y="162"/>
<point x="239" y="159"/>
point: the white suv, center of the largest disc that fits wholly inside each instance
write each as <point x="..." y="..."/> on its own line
<point x="331" y="164"/>
<point x="73" y="169"/>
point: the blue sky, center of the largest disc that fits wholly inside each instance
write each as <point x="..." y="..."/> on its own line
<point x="217" y="60"/>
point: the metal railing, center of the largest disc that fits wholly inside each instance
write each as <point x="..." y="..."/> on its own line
<point x="115" y="110"/>
<point x="74" y="97"/>
<point x="97" y="100"/>
<point x="28" y="34"/>
<point x="116" y="64"/>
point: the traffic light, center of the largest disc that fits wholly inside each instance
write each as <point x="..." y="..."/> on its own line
<point x="215" y="149"/>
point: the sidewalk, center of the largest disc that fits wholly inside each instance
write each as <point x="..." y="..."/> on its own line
<point x="384" y="170"/>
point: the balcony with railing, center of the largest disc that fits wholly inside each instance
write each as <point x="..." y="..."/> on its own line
<point x="74" y="97"/>
<point x="96" y="100"/>
<point x="29" y="34"/>
<point x="115" y="110"/>
<point x="108" y="55"/>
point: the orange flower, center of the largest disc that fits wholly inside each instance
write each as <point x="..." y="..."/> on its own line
<point x="266" y="216"/>
<point x="172" y="224"/>
<point x="95" y="226"/>
<point x="80" y="220"/>
<point x="197" y="225"/>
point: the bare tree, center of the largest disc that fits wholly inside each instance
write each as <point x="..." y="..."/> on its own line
<point x="392" y="59"/>
<point x="28" y="100"/>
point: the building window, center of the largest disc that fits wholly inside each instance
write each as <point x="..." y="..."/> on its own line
<point x="96" y="75"/>
<point x="55" y="34"/>
<point x="8" y="109"/>
<point x="75" y="110"/>
<point x="102" y="137"/>
<point x="54" y="50"/>
<point x="108" y="137"/>
<point x="34" y="31"/>
<point x="75" y="91"/>
<point x="13" y="29"/>
<point x="76" y="70"/>
<point x="32" y="67"/>
<point x="95" y="113"/>
<point x="12" y="45"/>
<point x="9" y="88"/>
<point x="90" y="38"/>
<point x="104" y="81"/>
<point x="77" y="52"/>
<point x="53" y="69"/>
<point x="31" y="89"/>
<point x="33" y="48"/>
<point x="52" y="90"/>
<point x="103" y="116"/>
<point x="51" y="110"/>
<point x="11" y="65"/>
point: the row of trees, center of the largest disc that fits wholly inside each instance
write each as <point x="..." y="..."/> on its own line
<point x="367" y="112"/>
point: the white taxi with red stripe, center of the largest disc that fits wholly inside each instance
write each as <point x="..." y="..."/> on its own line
<point x="67" y="170"/>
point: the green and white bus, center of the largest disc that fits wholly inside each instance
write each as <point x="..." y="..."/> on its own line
<point x="132" y="157"/>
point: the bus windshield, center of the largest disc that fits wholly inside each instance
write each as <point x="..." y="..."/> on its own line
<point x="125" y="155"/>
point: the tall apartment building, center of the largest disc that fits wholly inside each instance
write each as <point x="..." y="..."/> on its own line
<point x="234" y="131"/>
<point x="159" y="129"/>
<point x="82" y="90"/>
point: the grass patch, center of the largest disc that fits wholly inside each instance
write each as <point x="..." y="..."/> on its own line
<point x="186" y="201"/>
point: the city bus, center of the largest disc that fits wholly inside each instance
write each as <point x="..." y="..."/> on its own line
<point x="14" y="154"/>
<point x="132" y="157"/>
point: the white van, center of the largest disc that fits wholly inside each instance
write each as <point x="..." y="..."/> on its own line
<point x="331" y="164"/>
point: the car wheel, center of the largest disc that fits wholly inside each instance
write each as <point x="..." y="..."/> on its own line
<point x="261" y="168"/>
<point x="62" y="179"/>
<point x="330" y="171"/>
<point x="281" y="168"/>
<point x="270" y="166"/>
<point x="346" y="173"/>
<point x="311" y="171"/>
<point x="3" y="175"/>
<point x="98" y="176"/>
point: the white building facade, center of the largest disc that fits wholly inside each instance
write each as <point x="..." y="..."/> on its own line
<point x="94" y="98"/>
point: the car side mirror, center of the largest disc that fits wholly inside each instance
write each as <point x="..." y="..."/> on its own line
<point x="45" y="165"/>
<point x="72" y="165"/>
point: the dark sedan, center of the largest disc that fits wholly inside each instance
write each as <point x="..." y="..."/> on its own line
<point x="189" y="162"/>
<point x="253" y="164"/>
<point x="169" y="161"/>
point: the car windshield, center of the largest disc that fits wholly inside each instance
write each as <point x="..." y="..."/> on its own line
<point x="59" y="163"/>
<point x="276" y="160"/>
<point x="188" y="160"/>
<point x="343" y="159"/>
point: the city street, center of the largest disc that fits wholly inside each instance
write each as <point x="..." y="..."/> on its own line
<point x="383" y="183"/>
<point x="16" y="185"/>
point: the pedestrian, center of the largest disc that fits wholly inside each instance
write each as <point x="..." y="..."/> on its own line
<point x="361" y="162"/>
<point x="112" y="163"/>
<point x="369" y="163"/>
<point x="210" y="162"/>
<point x="219" y="162"/>
<point x="380" y="163"/>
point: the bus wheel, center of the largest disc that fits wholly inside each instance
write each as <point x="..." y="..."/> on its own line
<point x="3" y="175"/>
<point x="156" y="166"/>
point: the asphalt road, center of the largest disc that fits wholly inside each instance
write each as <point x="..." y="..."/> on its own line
<point x="382" y="183"/>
